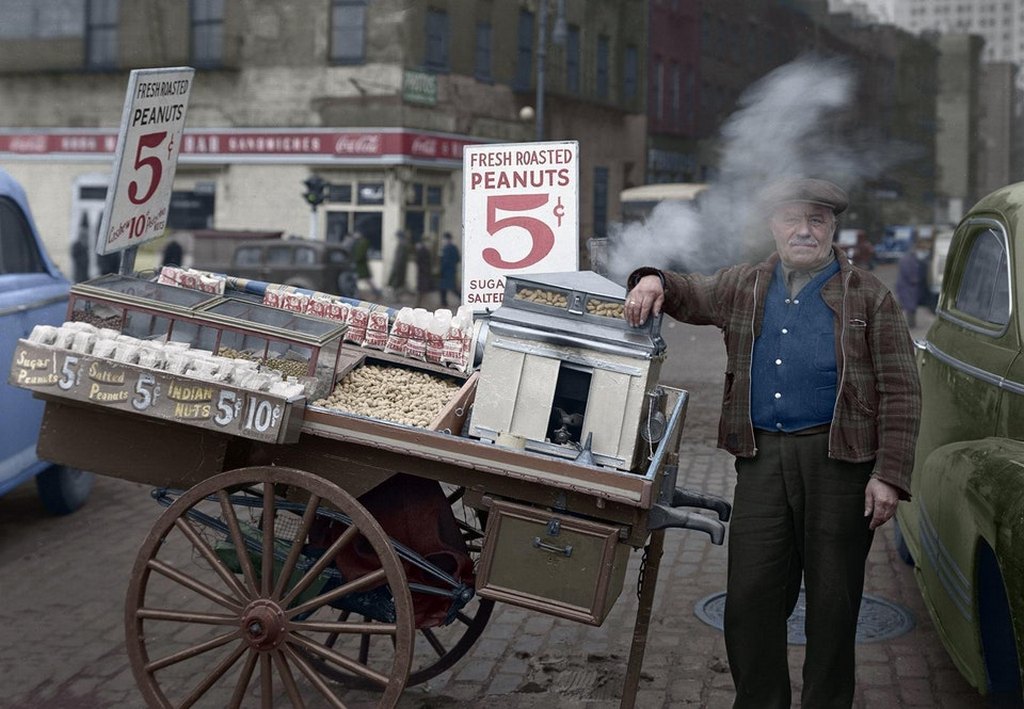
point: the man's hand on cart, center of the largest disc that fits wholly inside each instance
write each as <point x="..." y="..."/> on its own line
<point x="646" y="298"/>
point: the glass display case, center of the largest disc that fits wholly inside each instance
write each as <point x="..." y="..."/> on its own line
<point x="293" y="344"/>
<point x="132" y="305"/>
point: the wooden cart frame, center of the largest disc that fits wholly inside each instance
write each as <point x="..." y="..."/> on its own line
<point x="262" y="593"/>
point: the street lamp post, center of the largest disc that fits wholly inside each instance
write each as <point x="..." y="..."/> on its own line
<point x="558" y="37"/>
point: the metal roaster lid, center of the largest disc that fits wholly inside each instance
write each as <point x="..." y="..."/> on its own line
<point x="574" y="308"/>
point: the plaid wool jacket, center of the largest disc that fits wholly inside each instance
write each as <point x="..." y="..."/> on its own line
<point x="878" y="399"/>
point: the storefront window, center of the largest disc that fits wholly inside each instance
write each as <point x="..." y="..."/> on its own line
<point x="370" y="193"/>
<point x="358" y="209"/>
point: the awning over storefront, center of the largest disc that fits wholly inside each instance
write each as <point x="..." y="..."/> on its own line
<point x="373" y="146"/>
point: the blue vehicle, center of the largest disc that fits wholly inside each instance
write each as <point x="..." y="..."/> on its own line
<point x="32" y="292"/>
<point x="896" y="241"/>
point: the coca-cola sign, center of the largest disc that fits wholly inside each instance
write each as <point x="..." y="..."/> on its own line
<point x="358" y="144"/>
<point x="241" y="144"/>
<point x="422" y="145"/>
<point x="27" y="144"/>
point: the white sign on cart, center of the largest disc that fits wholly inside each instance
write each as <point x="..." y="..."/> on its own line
<point x="520" y="215"/>
<point x="145" y="158"/>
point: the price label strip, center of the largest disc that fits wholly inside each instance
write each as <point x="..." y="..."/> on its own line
<point x="138" y="390"/>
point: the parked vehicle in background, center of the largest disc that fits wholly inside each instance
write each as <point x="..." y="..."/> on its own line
<point x="857" y="247"/>
<point x="638" y="202"/>
<point x="266" y="256"/>
<point x="964" y="529"/>
<point x="896" y="241"/>
<point x="32" y="292"/>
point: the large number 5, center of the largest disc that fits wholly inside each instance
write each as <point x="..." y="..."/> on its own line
<point x="150" y="140"/>
<point x="542" y="237"/>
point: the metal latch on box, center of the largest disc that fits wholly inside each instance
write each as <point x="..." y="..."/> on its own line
<point x="554" y="528"/>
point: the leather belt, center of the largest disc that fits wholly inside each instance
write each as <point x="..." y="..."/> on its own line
<point x="812" y="430"/>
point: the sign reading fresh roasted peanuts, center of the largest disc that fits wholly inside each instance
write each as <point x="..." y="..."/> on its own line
<point x="520" y="215"/>
<point x="145" y="158"/>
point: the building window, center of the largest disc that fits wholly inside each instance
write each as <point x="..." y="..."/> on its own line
<point x="601" y="86"/>
<point x="572" y="60"/>
<point x="600" y="202"/>
<point x="483" y="51"/>
<point x="438" y="34"/>
<point x="630" y="70"/>
<point x="690" y="100"/>
<point x="674" y="87"/>
<point x="207" y="32"/>
<point x="348" y="31"/>
<point x="101" y="34"/>
<point x="658" y="94"/>
<point x="524" y="51"/>
<point x="356" y="207"/>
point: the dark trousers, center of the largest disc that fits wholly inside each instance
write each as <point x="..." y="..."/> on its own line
<point x="795" y="513"/>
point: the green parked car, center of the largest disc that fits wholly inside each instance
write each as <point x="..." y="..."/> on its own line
<point x="964" y="529"/>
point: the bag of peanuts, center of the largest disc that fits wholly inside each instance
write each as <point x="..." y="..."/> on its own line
<point x="272" y="296"/>
<point x="398" y="338"/>
<point x="295" y="302"/>
<point x="358" y="317"/>
<point x="337" y="311"/>
<point x="416" y="347"/>
<point x="436" y="330"/>
<point x="193" y="279"/>
<point x="317" y="305"/>
<point x="455" y="351"/>
<point x="377" y="331"/>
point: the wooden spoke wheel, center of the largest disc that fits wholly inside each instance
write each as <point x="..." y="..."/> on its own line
<point x="436" y="649"/>
<point x="226" y="598"/>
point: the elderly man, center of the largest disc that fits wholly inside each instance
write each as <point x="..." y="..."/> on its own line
<point x="821" y="410"/>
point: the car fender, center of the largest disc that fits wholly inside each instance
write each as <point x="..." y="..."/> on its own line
<point x="970" y="493"/>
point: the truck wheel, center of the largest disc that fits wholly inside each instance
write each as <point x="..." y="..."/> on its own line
<point x="63" y="490"/>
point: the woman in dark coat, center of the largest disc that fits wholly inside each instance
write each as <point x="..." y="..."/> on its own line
<point x="424" y="271"/>
<point x="450" y="258"/>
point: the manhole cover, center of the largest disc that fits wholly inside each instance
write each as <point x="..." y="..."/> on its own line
<point x="878" y="620"/>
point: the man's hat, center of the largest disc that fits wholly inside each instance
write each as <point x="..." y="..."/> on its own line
<point x="805" y="189"/>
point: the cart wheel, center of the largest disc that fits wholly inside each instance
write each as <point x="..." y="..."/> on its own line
<point x="437" y="649"/>
<point x="207" y="621"/>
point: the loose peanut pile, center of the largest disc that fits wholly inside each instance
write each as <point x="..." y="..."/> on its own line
<point x="606" y="308"/>
<point x="237" y="354"/>
<point x="392" y="394"/>
<point x="544" y="297"/>
<point x="114" y="321"/>
<point x="288" y="367"/>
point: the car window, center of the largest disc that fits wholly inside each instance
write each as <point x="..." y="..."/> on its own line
<point x="247" y="256"/>
<point x="305" y="256"/>
<point x="336" y="256"/>
<point x="279" y="255"/>
<point x="984" y="290"/>
<point x="19" y="252"/>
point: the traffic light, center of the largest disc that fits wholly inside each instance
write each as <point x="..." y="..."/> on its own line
<point x="316" y="190"/>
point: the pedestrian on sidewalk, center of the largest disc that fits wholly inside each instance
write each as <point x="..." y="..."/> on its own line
<point x="399" y="266"/>
<point x="424" y="271"/>
<point x="450" y="258"/>
<point x="821" y="410"/>
<point x="912" y="279"/>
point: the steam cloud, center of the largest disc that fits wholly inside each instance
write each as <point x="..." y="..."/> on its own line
<point x="788" y="124"/>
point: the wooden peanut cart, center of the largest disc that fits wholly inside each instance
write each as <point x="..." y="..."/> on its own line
<point x="310" y="556"/>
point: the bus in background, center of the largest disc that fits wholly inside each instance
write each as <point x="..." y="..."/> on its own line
<point x="638" y="202"/>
